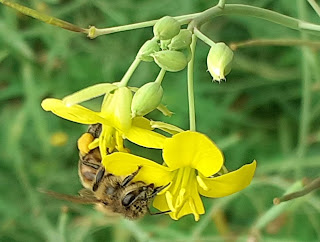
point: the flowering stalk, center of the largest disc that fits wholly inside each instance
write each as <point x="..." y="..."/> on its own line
<point x="125" y="79"/>
<point x="199" y="18"/>
<point x="192" y="114"/>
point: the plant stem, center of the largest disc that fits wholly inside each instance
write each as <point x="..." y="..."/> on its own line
<point x="306" y="94"/>
<point x="221" y="4"/>
<point x="160" y="76"/>
<point x="276" y="42"/>
<point x="93" y="32"/>
<point x="125" y="79"/>
<point x="315" y="6"/>
<point x="219" y="10"/>
<point x="203" y="37"/>
<point x="315" y="184"/>
<point x="245" y="10"/>
<point x="192" y="115"/>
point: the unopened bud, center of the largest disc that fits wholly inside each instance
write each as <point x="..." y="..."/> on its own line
<point x="149" y="47"/>
<point x="219" y="61"/>
<point x="182" y="40"/>
<point x="166" y="28"/>
<point x="170" y="60"/>
<point x="146" y="99"/>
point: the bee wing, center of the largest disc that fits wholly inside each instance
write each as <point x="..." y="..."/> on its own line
<point x="72" y="198"/>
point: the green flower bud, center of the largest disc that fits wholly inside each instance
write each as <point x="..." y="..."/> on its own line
<point x="166" y="28"/>
<point x="219" y="61"/>
<point x="170" y="60"/>
<point x="146" y="99"/>
<point x="149" y="47"/>
<point x="182" y="40"/>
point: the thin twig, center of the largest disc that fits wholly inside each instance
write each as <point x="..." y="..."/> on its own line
<point x="315" y="6"/>
<point x="275" y="42"/>
<point x="315" y="184"/>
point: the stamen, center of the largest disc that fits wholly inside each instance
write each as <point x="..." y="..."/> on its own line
<point x="180" y="198"/>
<point x="169" y="199"/>
<point x="194" y="209"/>
<point x="202" y="183"/>
<point x="178" y="180"/>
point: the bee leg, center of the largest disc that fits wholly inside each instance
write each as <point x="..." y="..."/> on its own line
<point x="129" y="178"/>
<point x="158" y="213"/>
<point x="157" y="190"/>
<point x="99" y="177"/>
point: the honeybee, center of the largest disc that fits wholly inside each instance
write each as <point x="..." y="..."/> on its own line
<point x="112" y="194"/>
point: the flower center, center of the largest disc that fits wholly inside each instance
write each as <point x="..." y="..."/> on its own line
<point x="180" y="195"/>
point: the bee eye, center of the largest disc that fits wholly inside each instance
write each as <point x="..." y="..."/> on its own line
<point x="128" y="199"/>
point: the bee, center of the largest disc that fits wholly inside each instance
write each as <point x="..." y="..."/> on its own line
<point x="112" y="194"/>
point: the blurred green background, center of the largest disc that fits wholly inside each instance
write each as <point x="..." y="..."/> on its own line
<point x="268" y="110"/>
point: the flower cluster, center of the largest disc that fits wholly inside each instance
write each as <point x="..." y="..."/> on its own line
<point x="193" y="165"/>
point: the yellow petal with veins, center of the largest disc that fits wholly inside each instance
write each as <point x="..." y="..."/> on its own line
<point x="229" y="183"/>
<point x="195" y="150"/>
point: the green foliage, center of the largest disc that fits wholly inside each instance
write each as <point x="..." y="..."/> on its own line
<point x="268" y="110"/>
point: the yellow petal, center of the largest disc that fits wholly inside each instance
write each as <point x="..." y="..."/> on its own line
<point x="192" y="149"/>
<point x="160" y="203"/>
<point x="75" y="113"/>
<point x="117" y="108"/>
<point x="229" y="183"/>
<point x="123" y="164"/>
<point x="88" y="93"/>
<point x="146" y="138"/>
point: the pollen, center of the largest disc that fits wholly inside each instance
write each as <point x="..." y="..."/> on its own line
<point x="84" y="141"/>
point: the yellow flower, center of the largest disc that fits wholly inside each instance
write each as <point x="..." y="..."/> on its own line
<point x="192" y="160"/>
<point x="115" y="117"/>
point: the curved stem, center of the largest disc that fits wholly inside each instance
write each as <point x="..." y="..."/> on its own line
<point x="221" y="3"/>
<point x="276" y="42"/>
<point x="245" y="10"/>
<point x="160" y="76"/>
<point x="203" y="37"/>
<point x="315" y="6"/>
<point x="93" y="32"/>
<point x="125" y="79"/>
<point x="192" y="115"/>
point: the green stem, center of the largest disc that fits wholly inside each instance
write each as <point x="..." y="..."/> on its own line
<point x="192" y="115"/>
<point x="315" y="6"/>
<point x="203" y="37"/>
<point x="306" y="92"/>
<point x="244" y="10"/>
<point x="125" y="79"/>
<point x="315" y="184"/>
<point x="160" y="76"/>
<point x="93" y="32"/>
<point x="221" y="4"/>
<point x="276" y="42"/>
